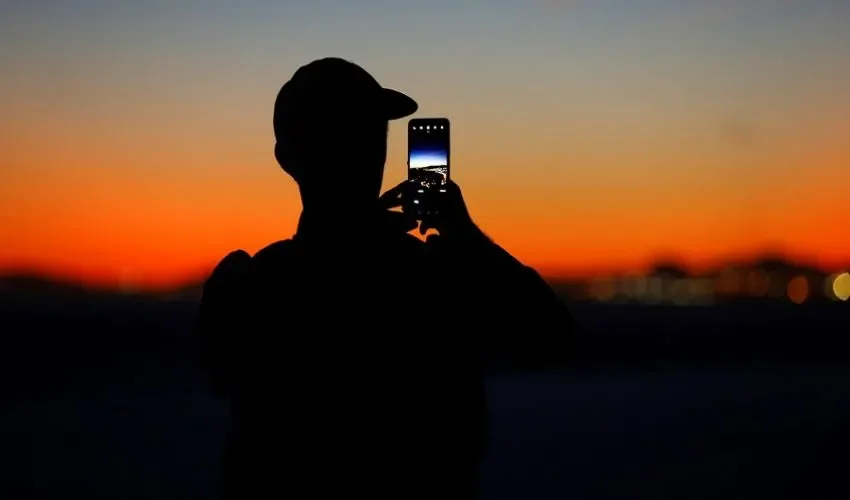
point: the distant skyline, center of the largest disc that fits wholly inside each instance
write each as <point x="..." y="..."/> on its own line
<point x="427" y="159"/>
<point x="136" y="141"/>
<point x="761" y="279"/>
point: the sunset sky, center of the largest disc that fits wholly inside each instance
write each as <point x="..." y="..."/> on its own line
<point x="136" y="139"/>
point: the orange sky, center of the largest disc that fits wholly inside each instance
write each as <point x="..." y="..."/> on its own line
<point x="141" y="151"/>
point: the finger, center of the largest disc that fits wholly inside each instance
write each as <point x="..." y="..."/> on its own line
<point x="424" y="227"/>
<point x="393" y="195"/>
<point x="433" y="239"/>
<point x="452" y="198"/>
<point x="452" y="187"/>
<point x="409" y="224"/>
<point x="389" y="204"/>
<point x="401" y="222"/>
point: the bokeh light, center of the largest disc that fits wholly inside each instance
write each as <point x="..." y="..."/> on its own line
<point x="758" y="283"/>
<point x="798" y="290"/>
<point x="603" y="290"/>
<point x="841" y="287"/>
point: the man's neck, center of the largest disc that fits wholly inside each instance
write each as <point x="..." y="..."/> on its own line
<point x="337" y="223"/>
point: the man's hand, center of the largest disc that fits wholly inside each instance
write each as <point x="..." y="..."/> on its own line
<point x="395" y="221"/>
<point x="452" y="219"/>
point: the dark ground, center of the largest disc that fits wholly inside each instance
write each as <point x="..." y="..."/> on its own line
<point x="105" y="400"/>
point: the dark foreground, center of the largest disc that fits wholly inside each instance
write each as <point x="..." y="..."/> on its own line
<point x="117" y="419"/>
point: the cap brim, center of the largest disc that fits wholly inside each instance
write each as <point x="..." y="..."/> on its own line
<point x="398" y="105"/>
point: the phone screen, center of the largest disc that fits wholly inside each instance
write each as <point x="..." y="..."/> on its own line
<point x="428" y="152"/>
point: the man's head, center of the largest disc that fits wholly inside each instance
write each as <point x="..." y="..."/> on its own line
<point x="330" y="123"/>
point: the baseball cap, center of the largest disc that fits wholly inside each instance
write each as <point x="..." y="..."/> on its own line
<point x="331" y="88"/>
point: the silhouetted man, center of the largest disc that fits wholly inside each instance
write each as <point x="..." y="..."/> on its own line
<point x="350" y="352"/>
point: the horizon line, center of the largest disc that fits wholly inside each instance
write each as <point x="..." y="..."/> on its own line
<point x="191" y="280"/>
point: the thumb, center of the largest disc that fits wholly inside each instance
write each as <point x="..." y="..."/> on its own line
<point x="434" y="239"/>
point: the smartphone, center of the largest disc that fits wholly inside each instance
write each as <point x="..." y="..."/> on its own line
<point x="428" y="162"/>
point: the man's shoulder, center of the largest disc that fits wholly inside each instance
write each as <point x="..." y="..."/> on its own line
<point x="239" y="262"/>
<point x="275" y="251"/>
<point x="223" y="286"/>
<point x="234" y="263"/>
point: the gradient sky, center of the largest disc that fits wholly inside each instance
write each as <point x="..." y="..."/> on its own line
<point x="136" y="140"/>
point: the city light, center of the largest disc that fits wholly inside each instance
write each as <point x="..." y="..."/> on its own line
<point x="841" y="287"/>
<point x="753" y="282"/>
<point x="798" y="290"/>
